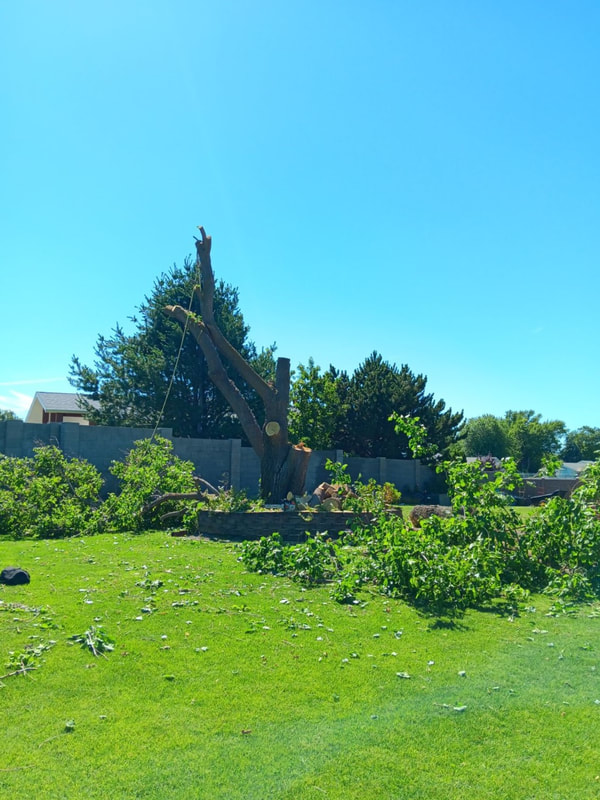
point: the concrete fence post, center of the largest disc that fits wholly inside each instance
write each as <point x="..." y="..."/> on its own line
<point x="235" y="463"/>
<point x="69" y="439"/>
<point x="13" y="443"/>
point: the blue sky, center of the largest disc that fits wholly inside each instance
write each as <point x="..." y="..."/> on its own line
<point x="420" y="179"/>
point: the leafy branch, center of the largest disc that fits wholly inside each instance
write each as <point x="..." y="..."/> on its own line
<point x="95" y="640"/>
<point x="26" y="661"/>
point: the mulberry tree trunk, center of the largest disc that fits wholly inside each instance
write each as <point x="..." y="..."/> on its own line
<point x="283" y="465"/>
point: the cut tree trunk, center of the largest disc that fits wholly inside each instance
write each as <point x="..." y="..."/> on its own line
<point x="282" y="470"/>
<point x="283" y="465"/>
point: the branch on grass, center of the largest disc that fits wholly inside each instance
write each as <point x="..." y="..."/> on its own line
<point x="15" y="769"/>
<point x="21" y="671"/>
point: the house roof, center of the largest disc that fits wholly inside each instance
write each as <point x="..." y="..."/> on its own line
<point x="62" y="402"/>
<point x="574" y="468"/>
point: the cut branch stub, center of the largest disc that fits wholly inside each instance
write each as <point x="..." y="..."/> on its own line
<point x="272" y="428"/>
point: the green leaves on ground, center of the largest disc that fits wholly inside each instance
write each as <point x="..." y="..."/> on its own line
<point x="94" y="639"/>
<point x="52" y="496"/>
<point x="149" y="470"/>
<point x="28" y="659"/>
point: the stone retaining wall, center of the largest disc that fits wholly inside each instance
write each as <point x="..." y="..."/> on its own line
<point x="291" y="525"/>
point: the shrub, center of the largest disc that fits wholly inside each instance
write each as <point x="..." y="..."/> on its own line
<point x="149" y="470"/>
<point x="482" y="553"/>
<point x="563" y="538"/>
<point x="48" y="496"/>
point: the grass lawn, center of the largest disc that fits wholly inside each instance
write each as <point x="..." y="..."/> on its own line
<point x="225" y="684"/>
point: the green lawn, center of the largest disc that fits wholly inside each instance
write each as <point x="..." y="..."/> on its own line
<point x="224" y="684"/>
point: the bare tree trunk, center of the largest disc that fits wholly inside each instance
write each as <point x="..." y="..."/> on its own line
<point x="283" y="465"/>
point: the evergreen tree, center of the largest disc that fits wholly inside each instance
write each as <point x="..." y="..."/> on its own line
<point x="132" y="372"/>
<point x="374" y="391"/>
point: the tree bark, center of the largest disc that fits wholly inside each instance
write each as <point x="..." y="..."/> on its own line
<point x="283" y="465"/>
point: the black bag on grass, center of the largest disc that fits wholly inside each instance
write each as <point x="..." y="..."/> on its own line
<point x="13" y="576"/>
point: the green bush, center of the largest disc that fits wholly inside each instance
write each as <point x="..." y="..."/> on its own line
<point x="563" y="538"/>
<point x="52" y="496"/>
<point x="149" y="470"/>
<point x="481" y="554"/>
<point x="48" y="496"/>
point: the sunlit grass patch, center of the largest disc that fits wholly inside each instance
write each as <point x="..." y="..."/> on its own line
<point x="228" y="684"/>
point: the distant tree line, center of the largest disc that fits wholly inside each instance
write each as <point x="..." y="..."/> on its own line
<point x="152" y="374"/>
<point x="527" y="438"/>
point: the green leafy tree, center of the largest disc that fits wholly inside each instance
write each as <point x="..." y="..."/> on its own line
<point x="6" y="414"/>
<point x="378" y="389"/>
<point x="317" y="408"/>
<point x="522" y="435"/>
<point x="487" y="435"/>
<point x="582" y="444"/>
<point x="531" y="438"/>
<point x="132" y="372"/>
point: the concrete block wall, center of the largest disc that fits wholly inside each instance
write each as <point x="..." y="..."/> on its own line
<point x="220" y="462"/>
<point x="212" y="458"/>
<point x="249" y="478"/>
<point x="534" y="487"/>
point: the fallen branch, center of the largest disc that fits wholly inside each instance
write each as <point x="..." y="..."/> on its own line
<point x="21" y="671"/>
<point x="207" y="484"/>
<point x="14" y="769"/>
<point x="164" y="498"/>
<point x="170" y="514"/>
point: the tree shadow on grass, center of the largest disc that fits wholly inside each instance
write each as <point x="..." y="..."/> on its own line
<point x="447" y="623"/>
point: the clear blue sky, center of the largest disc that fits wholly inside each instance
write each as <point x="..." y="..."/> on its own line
<point x="421" y="179"/>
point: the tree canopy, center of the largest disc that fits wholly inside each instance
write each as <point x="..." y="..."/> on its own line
<point x="352" y="413"/>
<point x="6" y="414"/>
<point x="582" y="444"/>
<point x="317" y="406"/>
<point x="523" y="435"/>
<point x="132" y="372"/>
<point x="378" y="388"/>
<point x="487" y="435"/>
<point x="532" y="438"/>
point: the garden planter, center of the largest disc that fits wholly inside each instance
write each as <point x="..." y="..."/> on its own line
<point x="291" y="525"/>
